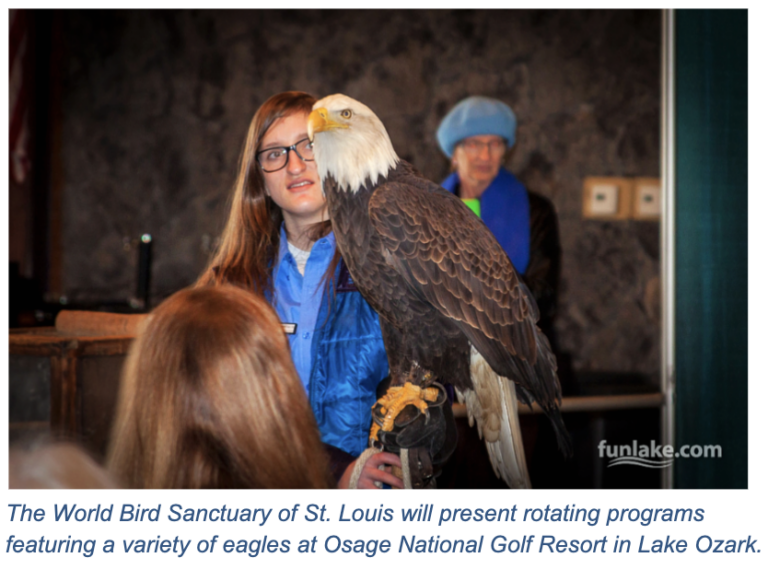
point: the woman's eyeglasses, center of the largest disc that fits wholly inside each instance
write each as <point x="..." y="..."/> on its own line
<point x="276" y="158"/>
<point x="473" y="147"/>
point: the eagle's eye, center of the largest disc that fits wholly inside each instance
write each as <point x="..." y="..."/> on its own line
<point x="346" y="113"/>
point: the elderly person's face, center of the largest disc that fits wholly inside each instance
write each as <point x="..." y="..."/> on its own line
<point x="478" y="159"/>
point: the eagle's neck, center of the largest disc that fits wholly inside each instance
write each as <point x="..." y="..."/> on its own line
<point x="354" y="158"/>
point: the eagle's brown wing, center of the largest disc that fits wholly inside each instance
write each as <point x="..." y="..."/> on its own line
<point x="450" y="258"/>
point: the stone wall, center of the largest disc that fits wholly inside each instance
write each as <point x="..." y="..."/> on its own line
<point x="156" y="106"/>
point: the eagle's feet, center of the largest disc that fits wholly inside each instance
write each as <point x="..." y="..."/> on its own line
<point x="387" y="408"/>
<point x="417" y="420"/>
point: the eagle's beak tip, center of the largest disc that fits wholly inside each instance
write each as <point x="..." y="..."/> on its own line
<point x="317" y="122"/>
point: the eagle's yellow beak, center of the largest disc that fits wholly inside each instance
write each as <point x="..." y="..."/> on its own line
<point x="319" y="120"/>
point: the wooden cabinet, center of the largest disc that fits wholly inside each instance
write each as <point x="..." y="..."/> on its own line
<point x="65" y="381"/>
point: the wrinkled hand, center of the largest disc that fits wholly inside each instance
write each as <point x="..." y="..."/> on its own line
<point x="371" y="473"/>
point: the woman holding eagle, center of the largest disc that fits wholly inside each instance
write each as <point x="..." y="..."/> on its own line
<point x="278" y="242"/>
<point x="451" y="305"/>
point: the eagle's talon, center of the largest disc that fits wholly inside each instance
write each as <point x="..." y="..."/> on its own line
<point x="398" y="398"/>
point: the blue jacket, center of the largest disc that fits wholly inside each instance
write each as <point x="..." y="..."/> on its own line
<point x="336" y="344"/>
<point x="349" y="362"/>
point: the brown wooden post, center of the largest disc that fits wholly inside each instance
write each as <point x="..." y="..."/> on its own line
<point x="65" y="407"/>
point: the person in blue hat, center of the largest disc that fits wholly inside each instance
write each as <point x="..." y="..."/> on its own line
<point x="476" y="136"/>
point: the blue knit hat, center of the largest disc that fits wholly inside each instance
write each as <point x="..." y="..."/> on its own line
<point x="476" y="116"/>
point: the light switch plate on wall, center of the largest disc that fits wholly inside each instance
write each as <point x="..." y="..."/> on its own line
<point x="647" y="199"/>
<point x="607" y="198"/>
<point x="604" y="199"/>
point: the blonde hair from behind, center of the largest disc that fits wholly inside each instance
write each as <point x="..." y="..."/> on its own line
<point x="210" y="399"/>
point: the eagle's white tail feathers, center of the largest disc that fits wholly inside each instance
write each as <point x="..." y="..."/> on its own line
<point x="493" y="405"/>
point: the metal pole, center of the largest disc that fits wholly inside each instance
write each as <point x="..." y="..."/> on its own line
<point x="144" y="270"/>
<point x="668" y="236"/>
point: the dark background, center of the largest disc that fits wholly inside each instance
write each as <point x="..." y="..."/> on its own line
<point x="141" y="116"/>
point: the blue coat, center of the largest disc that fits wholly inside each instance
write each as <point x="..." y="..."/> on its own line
<point x="349" y="362"/>
<point x="336" y="343"/>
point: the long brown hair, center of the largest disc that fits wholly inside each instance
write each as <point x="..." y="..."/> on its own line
<point x="210" y="399"/>
<point x="251" y="238"/>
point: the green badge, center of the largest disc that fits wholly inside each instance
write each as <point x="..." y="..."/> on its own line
<point x="473" y="204"/>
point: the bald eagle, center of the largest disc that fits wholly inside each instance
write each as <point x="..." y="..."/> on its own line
<point x="452" y="307"/>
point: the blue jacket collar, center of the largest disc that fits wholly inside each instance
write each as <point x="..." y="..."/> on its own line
<point x="283" y="250"/>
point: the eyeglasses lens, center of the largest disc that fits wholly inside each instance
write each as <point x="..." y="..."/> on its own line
<point x="273" y="159"/>
<point x="305" y="149"/>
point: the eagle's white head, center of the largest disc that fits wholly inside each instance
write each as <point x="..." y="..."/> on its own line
<point x="350" y="142"/>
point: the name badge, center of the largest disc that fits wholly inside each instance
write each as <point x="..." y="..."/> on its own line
<point x="289" y="328"/>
